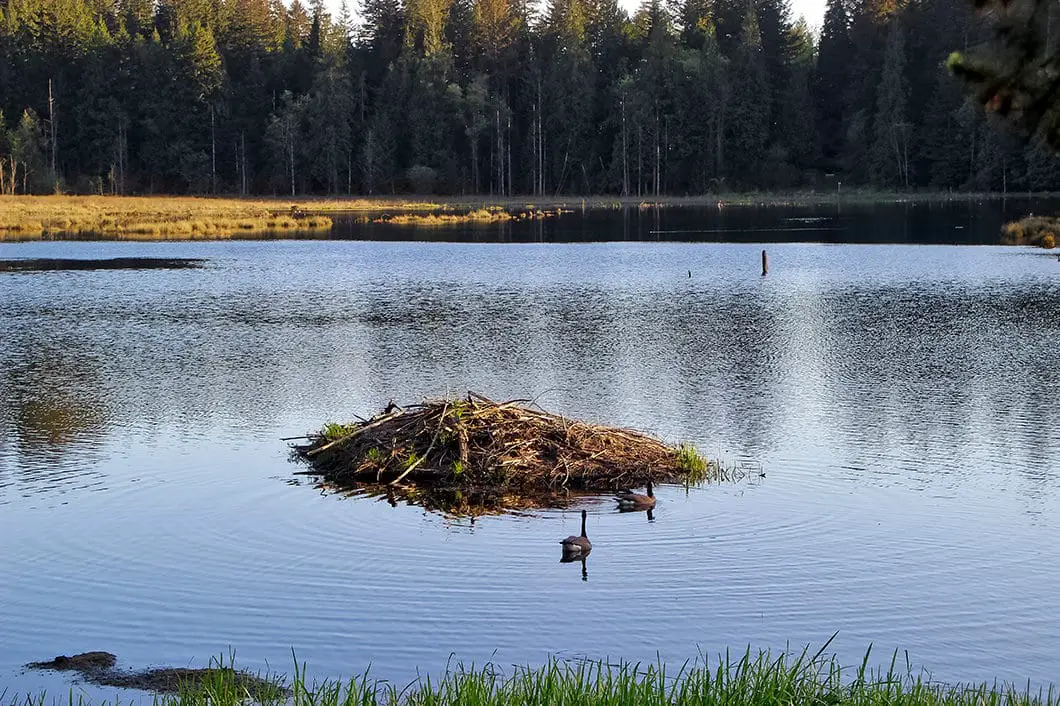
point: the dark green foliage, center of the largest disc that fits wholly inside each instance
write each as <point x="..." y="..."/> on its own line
<point x="504" y="97"/>
<point x="1016" y="72"/>
<point x="749" y="106"/>
<point x="834" y="55"/>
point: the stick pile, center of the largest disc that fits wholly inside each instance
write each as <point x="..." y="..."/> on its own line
<point x="474" y="455"/>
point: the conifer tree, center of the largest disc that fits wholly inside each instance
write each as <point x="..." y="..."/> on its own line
<point x="749" y="105"/>
<point x="834" y="58"/>
<point x="29" y="168"/>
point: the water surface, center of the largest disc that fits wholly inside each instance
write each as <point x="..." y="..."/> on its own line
<point x="901" y="400"/>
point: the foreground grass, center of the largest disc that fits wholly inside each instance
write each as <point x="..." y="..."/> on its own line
<point x="754" y="680"/>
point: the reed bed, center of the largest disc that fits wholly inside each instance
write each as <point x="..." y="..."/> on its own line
<point x="1032" y="230"/>
<point x="478" y="215"/>
<point x="474" y="456"/>
<point x="143" y="218"/>
<point x="762" y="679"/>
<point x="488" y="215"/>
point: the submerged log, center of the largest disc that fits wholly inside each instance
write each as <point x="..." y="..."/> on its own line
<point x="474" y="456"/>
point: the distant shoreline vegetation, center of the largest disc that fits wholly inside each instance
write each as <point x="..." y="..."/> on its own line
<point x="207" y="218"/>
<point x="744" y="678"/>
<point x="149" y="218"/>
<point x="1041" y="231"/>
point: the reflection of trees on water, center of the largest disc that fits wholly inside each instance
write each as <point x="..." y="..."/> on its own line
<point x="928" y="382"/>
<point x="962" y="221"/>
<point x="53" y="401"/>
<point x="946" y="382"/>
<point x="932" y="378"/>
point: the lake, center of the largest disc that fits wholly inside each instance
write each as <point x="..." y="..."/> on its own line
<point x="901" y="400"/>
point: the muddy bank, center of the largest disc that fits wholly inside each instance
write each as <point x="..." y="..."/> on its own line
<point x="84" y="662"/>
<point x="100" y="668"/>
<point x="47" y="264"/>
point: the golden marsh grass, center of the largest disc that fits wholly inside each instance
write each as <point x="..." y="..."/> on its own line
<point x="152" y="218"/>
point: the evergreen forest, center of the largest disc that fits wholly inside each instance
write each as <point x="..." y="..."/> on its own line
<point x="500" y="97"/>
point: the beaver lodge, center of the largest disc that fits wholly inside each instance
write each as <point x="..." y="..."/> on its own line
<point x="474" y="456"/>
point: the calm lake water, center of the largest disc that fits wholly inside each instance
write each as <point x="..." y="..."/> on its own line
<point x="901" y="399"/>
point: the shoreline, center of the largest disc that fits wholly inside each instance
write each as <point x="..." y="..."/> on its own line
<point x="58" y="217"/>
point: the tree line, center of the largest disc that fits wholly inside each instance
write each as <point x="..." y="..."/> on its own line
<point x="497" y="97"/>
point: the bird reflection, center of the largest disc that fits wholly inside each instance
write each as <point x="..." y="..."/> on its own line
<point x="650" y="512"/>
<point x="569" y="558"/>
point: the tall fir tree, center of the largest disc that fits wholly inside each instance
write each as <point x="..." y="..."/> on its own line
<point x="834" y="57"/>
<point x="749" y="106"/>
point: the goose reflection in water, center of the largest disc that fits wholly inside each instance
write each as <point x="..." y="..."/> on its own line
<point x="571" y="558"/>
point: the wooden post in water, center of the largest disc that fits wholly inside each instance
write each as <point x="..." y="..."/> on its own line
<point x="765" y="264"/>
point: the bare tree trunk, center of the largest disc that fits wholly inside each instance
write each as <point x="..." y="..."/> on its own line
<point x="290" y="149"/>
<point x="625" y="151"/>
<point x="657" y="161"/>
<point x="116" y="182"/>
<point x="563" y="170"/>
<point x="474" y="163"/>
<point x="509" y="139"/>
<point x="333" y="163"/>
<point x="499" y="162"/>
<point x="52" y="131"/>
<point x="544" y="164"/>
<point x="666" y="154"/>
<point x="52" y="135"/>
<point x="369" y="163"/>
<point x="213" y="151"/>
<point x="640" y="159"/>
<point x="533" y="141"/>
<point x="720" y="144"/>
<point x="540" y="142"/>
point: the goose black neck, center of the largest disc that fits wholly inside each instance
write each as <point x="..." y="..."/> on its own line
<point x="650" y="494"/>
<point x="584" y="513"/>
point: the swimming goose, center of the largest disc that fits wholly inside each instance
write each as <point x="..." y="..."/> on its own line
<point x="577" y="545"/>
<point x="636" y="501"/>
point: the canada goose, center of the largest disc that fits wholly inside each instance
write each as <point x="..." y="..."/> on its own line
<point x="577" y="545"/>
<point x="636" y="501"/>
